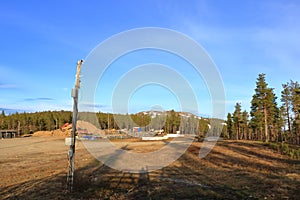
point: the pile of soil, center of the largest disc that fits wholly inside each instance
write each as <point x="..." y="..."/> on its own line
<point x="89" y="127"/>
<point x="55" y="133"/>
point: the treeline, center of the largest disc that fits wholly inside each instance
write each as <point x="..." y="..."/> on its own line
<point x="268" y="121"/>
<point x="170" y="121"/>
<point x="26" y="123"/>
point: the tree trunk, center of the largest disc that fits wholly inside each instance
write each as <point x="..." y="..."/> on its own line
<point x="288" y="117"/>
<point x="260" y="133"/>
<point x="266" y="124"/>
<point x="297" y="128"/>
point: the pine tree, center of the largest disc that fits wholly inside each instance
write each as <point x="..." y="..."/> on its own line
<point x="237" y="117"/>
<point x="281" y="124"/>
<point x="2" y="114"/>
<point x="273" y="114"/>
<point x="244" y="125"/>
<point x="295" y="101"/>
<point x="263" y="106"/>
<point x="202" y="127"/>
<point x="229" y="126"/>
<point x="286" y="99"/>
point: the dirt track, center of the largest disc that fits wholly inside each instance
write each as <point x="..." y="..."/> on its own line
<point x="36" y="167"/>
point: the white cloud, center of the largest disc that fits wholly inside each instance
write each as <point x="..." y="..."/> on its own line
<point x="29" y="106"/>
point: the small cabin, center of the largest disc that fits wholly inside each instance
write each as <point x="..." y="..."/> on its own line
<point x="8" y="133"/>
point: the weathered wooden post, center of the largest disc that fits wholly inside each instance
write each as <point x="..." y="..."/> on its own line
<point x="71" y="152"/>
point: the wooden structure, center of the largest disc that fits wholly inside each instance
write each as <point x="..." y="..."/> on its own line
<point x="8" y="133"/>
<point x="71" y="152"/>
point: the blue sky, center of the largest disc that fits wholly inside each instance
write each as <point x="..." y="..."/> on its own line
<point x="41" y="42"/>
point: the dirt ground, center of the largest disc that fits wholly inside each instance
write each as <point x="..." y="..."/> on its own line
<point x="36" y="168"/>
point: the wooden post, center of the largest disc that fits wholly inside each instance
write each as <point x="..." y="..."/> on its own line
<point x="71" y="152"/>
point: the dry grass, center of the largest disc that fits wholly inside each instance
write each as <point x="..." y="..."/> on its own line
<point x="36" y="167"/>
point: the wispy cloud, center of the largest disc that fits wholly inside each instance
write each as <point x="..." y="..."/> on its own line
<point x="85" y="106"/>
<point x="34" y="106"/>
<point x="39" y="99"/>
<point x="91" y="105"/>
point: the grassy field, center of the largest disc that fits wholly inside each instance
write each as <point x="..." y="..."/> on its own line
<point x="36" y="168"/>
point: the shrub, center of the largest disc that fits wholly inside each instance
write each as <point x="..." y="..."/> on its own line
<point x="297" y="154"/>
<point x="284" y="148"/>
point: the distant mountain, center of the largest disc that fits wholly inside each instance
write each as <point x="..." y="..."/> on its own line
<point x="154" y="113"/>
<point x="9" y="111"/>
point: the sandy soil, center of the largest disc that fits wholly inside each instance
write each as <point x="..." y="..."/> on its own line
<point x="36" y="168"/>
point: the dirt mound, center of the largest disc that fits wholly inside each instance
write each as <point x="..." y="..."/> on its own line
<point x="56" y="133"/>
<point x="90" y="127"/>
